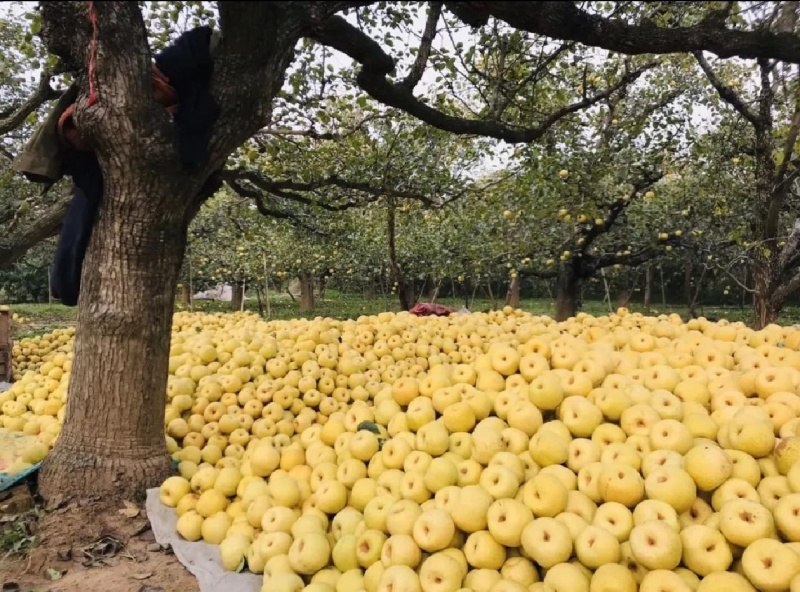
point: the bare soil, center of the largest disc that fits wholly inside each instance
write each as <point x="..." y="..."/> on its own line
<point x="92" y="547"/>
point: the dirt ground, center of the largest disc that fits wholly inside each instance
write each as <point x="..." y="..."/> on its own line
<point x="89" y="548"/>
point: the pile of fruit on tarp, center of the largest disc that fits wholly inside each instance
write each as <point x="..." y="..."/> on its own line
<point x="495" y="452"/>
<point x="20" y="455"/>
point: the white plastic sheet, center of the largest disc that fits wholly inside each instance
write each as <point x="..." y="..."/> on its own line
<point x="201" y="559"/>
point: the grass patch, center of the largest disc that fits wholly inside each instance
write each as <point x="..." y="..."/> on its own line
<point x="43" y="318"/>
<point x="17" y="536"/>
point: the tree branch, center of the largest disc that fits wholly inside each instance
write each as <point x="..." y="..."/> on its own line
<point x="791" y="140"/>
<point x="543" y="274"/>
<point x="339" y="34"/>
<point x="270" y="212"/>
<point x="424" y="51"/>
<point x="726" y="93"/>
<point x="786" y="289"/>
<point x="633" y="259"/>
<point x="287" y="189"/>
<point x="16" y="117"/>
<point x="790" y="249"/>
<point x="315" y="135"/>
<point x="591" y="232"/>
<point x="14" y="246"/>
<point x="564" y="20"/>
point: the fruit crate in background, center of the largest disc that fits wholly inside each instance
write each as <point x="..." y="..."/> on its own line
<point x="5" y="346"/>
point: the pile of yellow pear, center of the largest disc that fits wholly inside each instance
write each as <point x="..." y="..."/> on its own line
<point x="496" y="452"/>
<point x="31" y="352"/>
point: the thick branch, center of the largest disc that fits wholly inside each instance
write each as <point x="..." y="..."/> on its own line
<point x="269" y="212"/>
<point x="258" y="40"/>
<point x="591" y="232"/>
<point x="287" y="189"/>
<point x="13" y="247"/>
<point x="726" y="93"/>
<point x="564" y="20"/>
<point x="788" y="145"/>
<point x="786" y="289"/>
<point x="790" y="250"/>
<point x="315" y="135"/>
<point x="339" y="34"/>
<point x="424" y="51"/>
<point x="16" y="117"/>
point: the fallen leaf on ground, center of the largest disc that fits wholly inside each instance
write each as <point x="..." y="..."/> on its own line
<point x="130" y="510"/>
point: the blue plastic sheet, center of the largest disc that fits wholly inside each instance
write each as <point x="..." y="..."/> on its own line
<point x="7" y="481"/>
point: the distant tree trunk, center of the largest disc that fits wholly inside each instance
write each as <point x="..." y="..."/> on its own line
<point x="183" y="295"/>
<point x="405" y="292"/>
<point x="491" y="294"/>
<point x="687" y="277"/>
<point x="260" y="301"/>
<point x="369" y="290"/>
<point x="768" y="205"/>
<point x="322" y="288"/>
<point x="767" y="308"/>
<point x="648" y="287"/>
<point x="306" y="293"/>
<point x="237" y="296"/>
<point x="512" y="296"/>
<point x="697" y="292"/>
<point x="568" y="291"/>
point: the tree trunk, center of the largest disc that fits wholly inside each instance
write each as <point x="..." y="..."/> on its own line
<point x="405" y="292"/>
<point x="306" y="293"/>
<point x="237" y="296"/>
<point x="766" y="311"/>
<point x="568" y="292"/>
<point x="260" y="301"/>
<point x="688" y="271"/>
<point x="648" y="288"/>
<point x="183" y="295"/>
<point x="112" y="441"/>
<point x="512" y="296"/>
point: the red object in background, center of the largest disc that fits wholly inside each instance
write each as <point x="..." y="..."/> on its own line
<point x="427" y="310"/>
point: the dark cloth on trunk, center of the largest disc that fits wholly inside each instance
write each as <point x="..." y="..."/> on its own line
<point x="65" y="278"/>
<point x="188" y="64"/>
